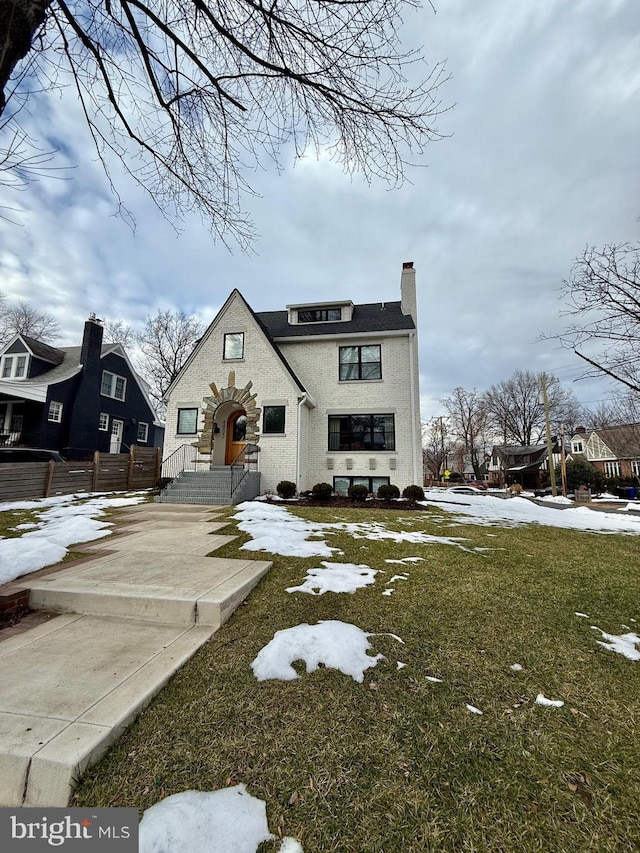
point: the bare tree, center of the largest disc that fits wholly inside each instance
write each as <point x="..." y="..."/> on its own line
<point x="165" y="343"/>
<point x="190" y="95"/>
<point x="516" y="411"/>
<point x="22" y="317"/>
<point x="118" y="332"/>
<point x="468" y="423"/>
<point x="436" y="445"/>
<point x="603" y="295"/>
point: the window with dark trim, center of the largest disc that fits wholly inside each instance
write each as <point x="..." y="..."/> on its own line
<point x="233" y="346"/>
<point x="273" y="420"/>
<point x="360" y="362"/>
<point x="319" y="315"/>
<point x="362" y="432"/>
<point x="187" y="421"/>
<point x="341" y="483"/>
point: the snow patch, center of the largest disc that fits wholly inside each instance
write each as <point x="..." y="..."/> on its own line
<point x="625" y="644"/>
<point x="541" y="699"/>
<point x="334" y="644"/>
<point x="229" y="821"/>
<point x="335" y="577"/>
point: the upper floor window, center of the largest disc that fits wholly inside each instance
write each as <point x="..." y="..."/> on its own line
<point x="577" y="447"/>
<point x="14" y="366"/>
<point x="319" y="315"/>
<point x="362" y="432"/>
<point x="233" y="345"/>
<point x="187" y="421"/>
<point x="143" y="432"/>
<point x="55" y="412"/>
<point x="361" y="362"/>
<point x="113" y="385"/>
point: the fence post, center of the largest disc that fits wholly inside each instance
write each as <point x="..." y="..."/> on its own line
<point x="49" y="478"/>
<point x="130" y="468"/>
<point x="158" y="465"/>
<point x="96" y="469"/>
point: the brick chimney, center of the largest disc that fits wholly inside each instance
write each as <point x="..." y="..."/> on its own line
<point x="408" y="304"/>
<point x="91" y="341"/>
<point x="581" y="430"/>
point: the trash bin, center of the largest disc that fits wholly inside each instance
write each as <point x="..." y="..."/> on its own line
<point x="632" y="493"/>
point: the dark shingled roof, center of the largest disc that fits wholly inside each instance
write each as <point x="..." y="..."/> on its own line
<point x="371" y="317"/>
<point x="44" y="351"/>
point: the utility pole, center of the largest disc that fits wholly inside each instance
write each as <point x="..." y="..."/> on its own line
<point x="563" y="463"/>
<point x="545" y="401"/>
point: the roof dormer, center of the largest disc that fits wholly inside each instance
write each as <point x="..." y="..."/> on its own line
<point x="320" y="312"/>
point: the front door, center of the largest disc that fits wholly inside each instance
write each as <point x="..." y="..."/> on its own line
<point x="236" y="435"/>
<point x="117" y="428"/>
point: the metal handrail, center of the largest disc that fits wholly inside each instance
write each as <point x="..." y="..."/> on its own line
<point x="184" y="458"/>
<point x="243" y="462"/>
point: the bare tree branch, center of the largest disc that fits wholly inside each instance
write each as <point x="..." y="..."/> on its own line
<point x="603" y="294"/>
<point x="190" y="95"/>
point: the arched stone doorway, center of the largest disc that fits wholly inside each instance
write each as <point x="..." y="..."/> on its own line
<point x="230" y="421"/>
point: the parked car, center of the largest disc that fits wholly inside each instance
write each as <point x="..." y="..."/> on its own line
<point x="467" y="489"/>
<point x="479" y="484"/>
<point x="28" y="454"/>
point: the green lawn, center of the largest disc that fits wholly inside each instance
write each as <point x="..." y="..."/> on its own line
<point x="398" y="763"/>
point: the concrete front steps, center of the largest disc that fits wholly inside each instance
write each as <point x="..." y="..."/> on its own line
<point x="130" y="618"/>
<point x="213" y="487"/>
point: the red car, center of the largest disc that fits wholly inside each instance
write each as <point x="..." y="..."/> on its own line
<point x="477" y="483"/>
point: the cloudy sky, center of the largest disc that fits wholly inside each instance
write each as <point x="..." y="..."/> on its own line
<point x="540" y="158"/>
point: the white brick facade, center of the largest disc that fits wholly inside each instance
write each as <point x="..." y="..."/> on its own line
<point x="305" y="381"/>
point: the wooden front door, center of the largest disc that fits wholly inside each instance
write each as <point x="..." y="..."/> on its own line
<point x="236" y="433"/>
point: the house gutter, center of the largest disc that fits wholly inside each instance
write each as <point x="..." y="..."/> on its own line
<point x="306" y="398"/>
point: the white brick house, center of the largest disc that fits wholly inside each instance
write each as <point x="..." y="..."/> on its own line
<point x="328" y="392"/>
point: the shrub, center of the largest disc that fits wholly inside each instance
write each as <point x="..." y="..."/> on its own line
<point x="515" y="488"/>
<point x="322" y="491"/>
<point x="358" y="493"/>
<point x="454" y="476"/>
<point x="413" y="493"/>
<point x="387" y="492"/>
<point x="286" y="489"/>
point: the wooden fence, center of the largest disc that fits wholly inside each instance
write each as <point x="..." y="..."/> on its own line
<point x="138" y="469"/>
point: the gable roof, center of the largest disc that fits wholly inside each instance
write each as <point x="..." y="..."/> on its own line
<point x="35" y="388"/>
<point x="41" y="350"/>
<point x="623" y="440"/>
<point x="370" y="317"/>
<point x="261" y="325"/>
<point x="54" y="355"/>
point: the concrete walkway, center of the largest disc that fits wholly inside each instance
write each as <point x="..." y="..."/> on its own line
<point x="131" y="617"/>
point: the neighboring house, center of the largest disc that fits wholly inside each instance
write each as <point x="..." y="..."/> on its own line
<point x="512" y="463"/>
<point x="614" y="450"/>
<point x="326" y="392"/>
<point x="74" y="399"/>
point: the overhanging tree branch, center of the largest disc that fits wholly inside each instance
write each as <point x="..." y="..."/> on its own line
<point x="191" y="94"/>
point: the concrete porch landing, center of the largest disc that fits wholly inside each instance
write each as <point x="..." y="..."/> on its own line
<point x="132" y="616"/>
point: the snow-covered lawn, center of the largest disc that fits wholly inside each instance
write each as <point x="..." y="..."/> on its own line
<point x="60" y="522"/>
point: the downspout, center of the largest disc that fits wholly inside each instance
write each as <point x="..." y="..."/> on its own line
<point x="412" y="340"/>
<point x="301" y="402"/>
